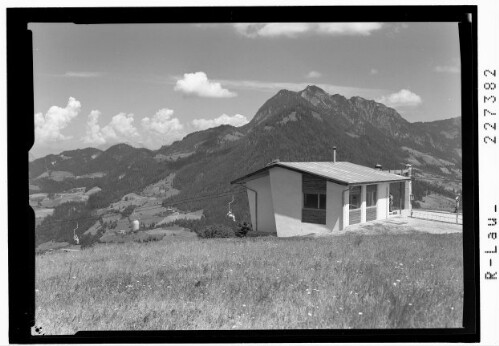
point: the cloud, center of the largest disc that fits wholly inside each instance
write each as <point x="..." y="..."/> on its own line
<point x="235" y="120"/>
<point x="80" y="74"/>
<point x="313" y="74"/>
<point x="48" y="127"/>
<point x="160" y="129"/>
<point x="402" y="98"/>
<point x="254" y="30"/>
<point x="121" y="128"/>
<point x="448" y="69"/>
<point x="271" y="29"/>
<point x="198" y="84"/>
<point x="94" y="135"/>
<point x="163" y="124"/>
<point x="351" y="29"/>
<point x="373" y="71"/>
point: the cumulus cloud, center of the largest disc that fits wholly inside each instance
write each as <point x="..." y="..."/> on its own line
<point x="224" y="119"/>
<point x="164" y="125"/>
<point x="401" y="98"/>
<point x="157" y="130"/>
<point x="254" y="30"/>
<point x="197" y="84"/>
<point x="94" y="134"/>
<point x="121" y="128"/>
<point x="313" y="74"/>
<point x="48" y="127"/>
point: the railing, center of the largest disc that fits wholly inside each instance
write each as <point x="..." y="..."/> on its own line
<point x="438" y="215"/>
<point x="403" y="172"/>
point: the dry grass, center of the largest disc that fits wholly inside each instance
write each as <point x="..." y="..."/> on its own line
<point x="395" y="281"/>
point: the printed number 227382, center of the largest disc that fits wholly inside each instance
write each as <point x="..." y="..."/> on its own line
<point x="488" y="100"/>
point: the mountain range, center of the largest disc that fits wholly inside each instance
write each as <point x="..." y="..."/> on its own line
<point x="290" y="126"/>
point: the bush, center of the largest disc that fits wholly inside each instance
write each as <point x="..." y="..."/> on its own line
<point x="243" y="229"/>
<point x="192" y="225"/>
<point x="145" y="237"/>
<point x="89" y="240"/>
<point x="253" y="234"/>
<point x="128" y="211"/>
<point x="216" y="231"/>
<point x="141" y="237"/>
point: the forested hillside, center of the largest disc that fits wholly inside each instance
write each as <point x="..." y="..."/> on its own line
<point x="291" y="126"/>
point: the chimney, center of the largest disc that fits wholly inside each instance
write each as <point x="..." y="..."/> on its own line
<point x="334" y="154"/>
<point x="273" y="162"/>
<point x="378" y="167"/>
<point x="409" y="170"/>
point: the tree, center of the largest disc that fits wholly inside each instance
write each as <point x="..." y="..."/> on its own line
<point x="128" y="211"/>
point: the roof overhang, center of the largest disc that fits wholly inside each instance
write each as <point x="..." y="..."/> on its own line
<point x="264" y="172"/>
<point x="253" y="175"/>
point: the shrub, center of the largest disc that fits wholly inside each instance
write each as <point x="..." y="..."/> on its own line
<point x="141" y="237"/>
<point x="146" y="237"/>
<point x="253" y="234"/>
<point x="216" y="231"/>
<point x="89" y="240"/>
<point x="128" y="211"/>
<point x="243" y="229"/>
<point x="191" y="225"/>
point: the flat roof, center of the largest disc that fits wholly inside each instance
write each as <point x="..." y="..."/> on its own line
<point x="344" y="173"/>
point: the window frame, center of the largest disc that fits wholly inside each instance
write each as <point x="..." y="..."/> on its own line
<point x="318" y="194"/>
<point x="375" y="200"/>
<point x="350" y="197"/>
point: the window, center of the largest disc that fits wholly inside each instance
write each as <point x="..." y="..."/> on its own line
<point x="355" y="197"/>
<point x="322" y="201"/>
<point x="371" y="198"/>
<point x="314" y="201"/>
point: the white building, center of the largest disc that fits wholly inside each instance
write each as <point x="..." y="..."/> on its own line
<point x="298" y="198"/>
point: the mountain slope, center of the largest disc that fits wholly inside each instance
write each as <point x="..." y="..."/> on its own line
<point x="290" y="126"/>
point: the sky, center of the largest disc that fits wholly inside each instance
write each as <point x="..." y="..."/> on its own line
<point x="151" y="84"/>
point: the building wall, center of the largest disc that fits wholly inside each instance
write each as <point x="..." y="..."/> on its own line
<point x="334" y="216"/>
<point x="363" y="203"/>
<point x="346" y="209"/>
<point x="287" y="196"/>
<point x="280" y="204"/>
<point x="383" y="203"/>
<point x="265" y="215"/>
<point x="407" y="198"/>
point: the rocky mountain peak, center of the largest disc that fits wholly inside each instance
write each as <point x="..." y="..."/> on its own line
<point x="314" y="95"/>
<point x="314" y="89"/>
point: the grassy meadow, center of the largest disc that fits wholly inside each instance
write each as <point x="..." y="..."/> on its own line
<point x="351" y="281"/>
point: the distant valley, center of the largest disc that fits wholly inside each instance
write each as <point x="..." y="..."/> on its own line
<point x="190" y="178"/>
